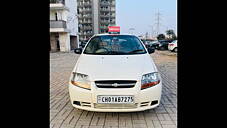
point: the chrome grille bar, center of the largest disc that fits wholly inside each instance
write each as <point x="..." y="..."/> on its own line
<point x="115" y="84"/>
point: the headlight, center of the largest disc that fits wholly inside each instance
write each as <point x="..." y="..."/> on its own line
<point x="149" y="80"/>
<point x="81" y="80"/>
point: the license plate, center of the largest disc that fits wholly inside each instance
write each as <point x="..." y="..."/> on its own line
<point x="115" y="99"/>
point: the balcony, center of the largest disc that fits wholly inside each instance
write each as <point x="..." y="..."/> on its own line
<point x="86" y="38"/>
<point x="58" y="26"/>
<point x="58" y="5"/>
<point x="87" y="16"/>
<point x="81" y="10"/>
<point x="86" y="28"/>
<point x="83" y="17"/>
<point x="104" y="21"/>
<point x="87" y="4"/>
<point x="105" y="15"/>
<point x="86" y="10"/>
<point x="85" y="21"/>
<point x="105" y="3"/>
<point x="57" y="1"/>
<point x="80" y="5"/>
<point x="86" y="34"/>
<point x="104" y="9"/>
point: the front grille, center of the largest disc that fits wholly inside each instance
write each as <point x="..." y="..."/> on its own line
<point x="115" y="106"/>
<point x="115" y="84"/>
<point x="83" y="104"/>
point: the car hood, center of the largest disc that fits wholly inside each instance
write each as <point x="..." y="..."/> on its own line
<point x="115" y="67"/>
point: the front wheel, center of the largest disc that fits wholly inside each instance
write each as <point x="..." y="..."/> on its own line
<point x="175" y="49"/>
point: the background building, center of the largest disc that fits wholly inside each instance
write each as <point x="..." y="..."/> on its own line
<point x="94" y="17"/>
<point x="63" y="25"/>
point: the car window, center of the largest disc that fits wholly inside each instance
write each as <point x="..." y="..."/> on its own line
<point x="148" y="42"/>
<point x="114" y="45"/>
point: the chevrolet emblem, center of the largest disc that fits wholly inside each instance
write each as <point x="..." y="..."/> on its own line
<point x="115" y="85"/>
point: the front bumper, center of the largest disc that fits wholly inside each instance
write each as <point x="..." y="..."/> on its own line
<point x="115" y="110"/>
<point x="142" y="98"/>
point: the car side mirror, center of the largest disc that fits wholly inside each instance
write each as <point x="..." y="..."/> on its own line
<point x="151" y="50"/>
<point x="78" y="50"/>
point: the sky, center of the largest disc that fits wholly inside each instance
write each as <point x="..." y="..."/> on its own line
<point x="141" y="15"/>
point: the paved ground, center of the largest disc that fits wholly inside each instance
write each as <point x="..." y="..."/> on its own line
<point x="63" y="115"/>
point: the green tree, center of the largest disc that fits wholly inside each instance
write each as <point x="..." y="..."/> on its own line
<point x="161" y="37"/>
<point x="171" y="34"/>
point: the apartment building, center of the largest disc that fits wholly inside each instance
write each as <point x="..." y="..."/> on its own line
<point x="63" y="25"/>
<point x="94" y="17"/>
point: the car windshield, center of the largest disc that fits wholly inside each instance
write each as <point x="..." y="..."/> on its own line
<point x="114" y="45"/>
<point x="163" y="42"/>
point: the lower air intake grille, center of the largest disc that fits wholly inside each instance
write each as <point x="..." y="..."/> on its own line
<point x="115" y="106"/>
<point x="85" y="104"/>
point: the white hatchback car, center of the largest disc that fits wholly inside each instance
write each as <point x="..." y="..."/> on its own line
<point x="115" y="73"/>
<point x="173" y="46"/>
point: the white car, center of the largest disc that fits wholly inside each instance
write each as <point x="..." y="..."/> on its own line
<point x="115" y="73"/>
<point x="173" y="46"/>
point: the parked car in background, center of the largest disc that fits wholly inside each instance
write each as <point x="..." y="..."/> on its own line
<point x="155" y="44"/>
<point x="173" y="46"/>
<point x="148" y="44"/>
<point x="163" y="44"/>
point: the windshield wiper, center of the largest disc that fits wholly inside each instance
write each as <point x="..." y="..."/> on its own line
<point x="135" y="51"/>
<point x="109" y="53"/>
<point x="116" y="53"/>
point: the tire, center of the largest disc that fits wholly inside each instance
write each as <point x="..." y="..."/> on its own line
<point x="175" y="49"/>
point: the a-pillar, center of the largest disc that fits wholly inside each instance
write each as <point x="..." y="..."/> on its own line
<point x="64" y="40"/>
